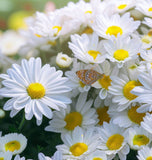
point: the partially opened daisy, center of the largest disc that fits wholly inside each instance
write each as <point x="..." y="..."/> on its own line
<point x="5" y="155"/>
<point x="35" y="88"/>
<point x="17" y="157"/>
<point x="137" y="138"/>
<point x="145" y="153"/>
<point x="106" y="26"/>
<point x="57" y="156"/>
<point x="79" y="113"/>
<point x="113" y="140"/>
<point x="13" y="142"/>
<point x="78" y="143"/>
<point x="86" y="48"/>
<point x="122" y="49"/>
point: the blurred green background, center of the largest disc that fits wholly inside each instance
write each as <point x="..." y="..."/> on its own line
<point x="8" y="7"/>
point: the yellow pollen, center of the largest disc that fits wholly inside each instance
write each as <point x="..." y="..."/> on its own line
<point x="128" y="87"/>
<point x="1" y="158"/>
<point x="53" y="43"/>
<point x="114" y="30"/>
<point x="122" y="6"/>
<point x="58" y="29"/>
<point x="37" y="35"/>
<point x="81" y="84"/>
<point x="12" y="146"/>
<point x="140" y="140"/>
<point x="150" y="33"/>
<point x="88" y="30"/>
<point x="133" y="67"/>
<point x="73" y="120"/>
<point x="134" y="116"/>
<point x="149" y="158"/>
<point x="36" y="90"/>
<point x="103" y="116"/>
<point x="115" y="142"/>
<point x="88" y="12"/>
<point x="93" y="53"/>
<point x="96" y="158"/>
<point x="105" y="81"/>
<point x="121" y="54"/>
<point x="78" y="149"/>
<point x="150" y="9"/>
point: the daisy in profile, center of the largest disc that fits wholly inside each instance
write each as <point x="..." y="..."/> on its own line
<point x="144" y="7"/>
<point x="78" y="144"/>
<point x="13" y="142"/>
<point x="35" y="89"/>
<point x="145" y="153"/>
<point x="121" y="88"/>
<point x="122" y="49"/>
<point x="138" y="138"/>
<point x="79" y="113"/>
<point x="5" y="155"/>
<point x="113" y="140"/>
<point x="106" y="26"/>
<point x="89" y="52"/>
<point x="104" y="83"/>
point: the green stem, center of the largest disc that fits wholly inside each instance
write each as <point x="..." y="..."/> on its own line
<point x="22" y="122"/>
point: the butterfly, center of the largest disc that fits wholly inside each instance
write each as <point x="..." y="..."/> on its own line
<point x="88" y="76"/>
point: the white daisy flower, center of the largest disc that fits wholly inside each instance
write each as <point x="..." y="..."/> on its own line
<point x="41" y="156"/>
<point x="78" y="144"/>
<point x="148" y="22"/>
<point x="145" y="153"/>
<point x="57" y="156"/>
<point x="89" y="52"/>
<point x="36" y="89"/>
<point x="78" y="114"/>
<point x="102" y="111"/>
<point x="13" y="142"/>
<point x="5" y="155"/>
<point x="113" y="140"/>
<point x="122" y="49"/>
<point x="106" y="26"/>
<point x="127" y="118"/>
<point x="97" y="155"/>
<point x="120" y="89"/>
<point x="11" y="41"/>
<point x="144" y="7"/>
<point x="63" y="60"/>
<point x="144" y="92"/>
<point x="147" y="123"/>
<point x="105" y="82"/>
<point x="17" y="157"/>
<point x="137" y="138"/>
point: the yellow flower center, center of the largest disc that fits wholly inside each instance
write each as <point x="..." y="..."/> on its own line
<point x="149" y="158"/>
<point x="96" y="158"/>
<point x="78" y="149"/>
<point x="37" y="35"/>
<point x="58" y="28"/>
<point x="1" y="158"/>
<point x="12" y="146"/>
<point x="128" y="87"/>
<point x="36" y="90"/>
<point x="115" y="142"/>
<point x="140" y="140"/>
<point x="122" y="6"/>
<point x="93" y="53"/>
<point x="146" y="39"/>
<point x="81" y="84"/>
<point x="88" y="30"/>
<point x="134" y="116"/>
<point x="103" y="116"/>
<point x="150" y="9"/>
<point x="121" y="54"/>
<point x="114" y="30"/>
<point x="105" y="81"/>
<point x="72" y="120"/>
<point x="90" y="12"/>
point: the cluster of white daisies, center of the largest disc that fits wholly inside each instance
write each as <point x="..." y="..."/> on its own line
<point x="98" y="118"/>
